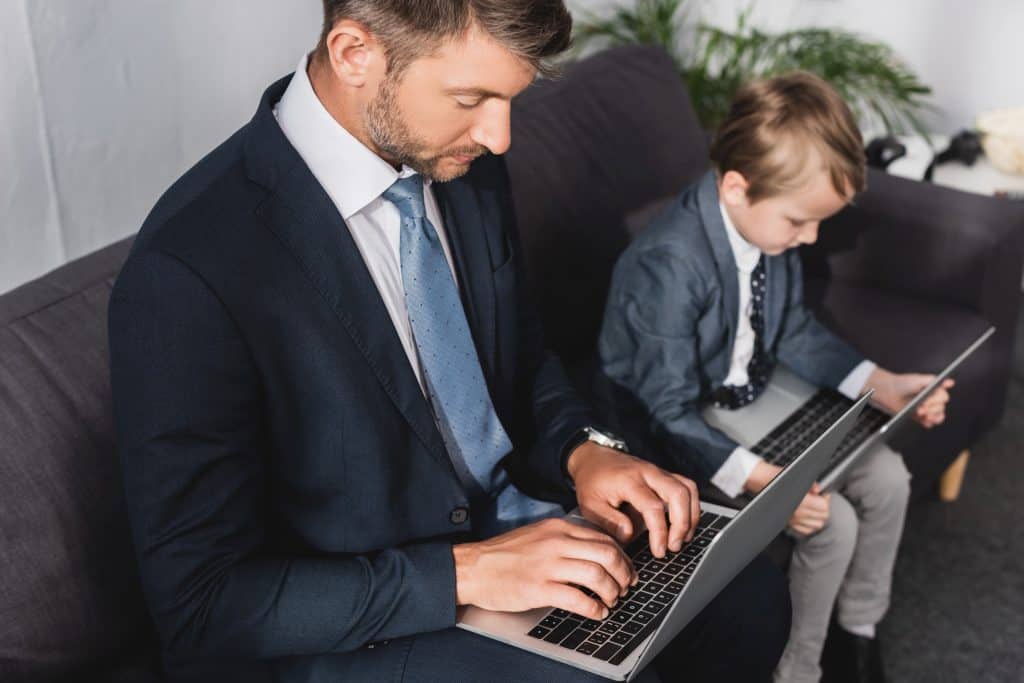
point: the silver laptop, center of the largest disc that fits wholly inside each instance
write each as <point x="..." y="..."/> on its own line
<point x="791" y="413"/>
<point x="670" y="591"/>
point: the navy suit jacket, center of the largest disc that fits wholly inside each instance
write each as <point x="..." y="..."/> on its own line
<point x="670" y="326"/>
<point x="289" y="492"/>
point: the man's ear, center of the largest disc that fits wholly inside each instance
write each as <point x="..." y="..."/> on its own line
<point x="732" y="189"/>
<point x="353" y="53"/>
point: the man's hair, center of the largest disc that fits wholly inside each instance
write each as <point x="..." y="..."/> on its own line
<point x="533" y="30"/>
<point x="775" y="126"/>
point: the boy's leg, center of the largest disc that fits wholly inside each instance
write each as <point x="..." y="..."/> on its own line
<point x="879" y="488"/>
<point x="820" y="562"/>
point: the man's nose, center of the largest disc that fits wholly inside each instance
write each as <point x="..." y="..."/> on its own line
<point x="493" y="129"/>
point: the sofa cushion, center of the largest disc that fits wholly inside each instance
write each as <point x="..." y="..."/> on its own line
<point x="69" y="595"/>
<point x="614" y="135"/>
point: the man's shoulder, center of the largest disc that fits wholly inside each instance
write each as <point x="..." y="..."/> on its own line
<point x="214" y="196"/>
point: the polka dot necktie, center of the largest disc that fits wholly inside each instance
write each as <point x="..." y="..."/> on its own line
<point x="473" y="435"/>
<point x="759" y="369"/>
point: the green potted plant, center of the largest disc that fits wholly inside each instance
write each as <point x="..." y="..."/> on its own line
<point x="882" y="91"/>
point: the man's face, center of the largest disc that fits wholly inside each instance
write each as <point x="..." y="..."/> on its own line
<point x="446" y="109"/>
<point x="776" y="224"/>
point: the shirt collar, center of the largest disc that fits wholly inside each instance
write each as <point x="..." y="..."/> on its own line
<point x="351" y="174"/>
<point x="746" y="254"/>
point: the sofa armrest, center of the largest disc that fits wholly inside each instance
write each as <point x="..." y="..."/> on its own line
<point x="927" y="241"/>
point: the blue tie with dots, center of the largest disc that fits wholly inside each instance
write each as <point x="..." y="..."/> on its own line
<point x="473" y="434"/>
<point x="759" y="369"/>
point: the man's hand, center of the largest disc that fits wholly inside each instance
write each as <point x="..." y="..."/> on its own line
<point x="607" y="480"/>
<point x="812" y="513"/>
<point x="893" y="391"/>
<point x="540" y="565"/>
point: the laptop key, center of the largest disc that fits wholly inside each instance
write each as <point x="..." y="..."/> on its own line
<point x="610" y="627"/>
<point x="633" y="627"/>
<point x="590" y="625"/>
<point x="642" y="617"/>
<point x="643" y="596"/>
<point x="607" y="651"/>
<point x="674" y="587"/>
<point x="539" y="632"/>
<point x="631" y="606"/>
<point x="654" y="566"/>
<point x="621" y="617"/>
<point x="598" y="637"/>
<point x="621" y="638"/>
<point x="560" y="613"/>
<point x="654" y="607"/>
<point x="550" y="622"/>
<point x="563" y="629"/>
<point x="664" y="597"/>
<point x="587" y="648"/>
<point x="574" y="639"/>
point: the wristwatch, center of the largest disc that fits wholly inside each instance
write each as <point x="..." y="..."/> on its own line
<point x="606" y="439"/>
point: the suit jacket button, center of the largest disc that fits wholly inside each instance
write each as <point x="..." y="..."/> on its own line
<point x="459" y="515"/>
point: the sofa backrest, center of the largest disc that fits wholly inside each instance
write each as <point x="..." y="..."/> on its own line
<point x="69" y="595"/>
<point x="594" y="154"/>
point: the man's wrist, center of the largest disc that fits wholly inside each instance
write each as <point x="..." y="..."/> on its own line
<point x="465" y="556"/>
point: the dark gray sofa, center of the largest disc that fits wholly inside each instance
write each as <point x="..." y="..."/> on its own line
<point x="906" y="274"/>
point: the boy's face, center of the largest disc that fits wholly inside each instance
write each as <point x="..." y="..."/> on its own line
<point x="775" y="224"/>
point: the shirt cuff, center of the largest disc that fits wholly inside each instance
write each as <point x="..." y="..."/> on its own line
<point x="853" y="386"/>
<point x="735" y="471"/>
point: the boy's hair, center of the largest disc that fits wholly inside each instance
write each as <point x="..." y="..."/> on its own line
<point x="533" y="30"/>
<point x="775" y="125"/>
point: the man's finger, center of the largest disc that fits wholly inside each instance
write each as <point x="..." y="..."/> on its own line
<point x="574" y="600"/>
<point x="612" y="520"/>
<point x="676" y="496"/>
<point x="652" y="509"/>
<point x="608" y="554"/>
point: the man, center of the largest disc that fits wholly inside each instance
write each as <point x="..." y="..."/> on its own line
<point x="332" y="396"/>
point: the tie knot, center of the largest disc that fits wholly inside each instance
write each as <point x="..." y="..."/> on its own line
<point x="407" y="194"/>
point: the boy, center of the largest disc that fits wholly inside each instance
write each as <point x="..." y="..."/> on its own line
<point x="709" y="299"/>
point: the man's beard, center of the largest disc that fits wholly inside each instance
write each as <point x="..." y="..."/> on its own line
<point x="394" y="139"/>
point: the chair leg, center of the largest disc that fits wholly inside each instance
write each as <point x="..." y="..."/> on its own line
<point x="953" y="478"/>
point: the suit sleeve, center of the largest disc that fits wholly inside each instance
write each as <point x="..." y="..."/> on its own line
<point x="649" y="352"/>
<point x="188" y="406"/>
<point x="805" y="345"/>
<point x="549" y="411"/>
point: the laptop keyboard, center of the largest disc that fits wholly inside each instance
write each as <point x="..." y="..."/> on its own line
<point x="642" y="609"/>
<point x="808" y="422"/>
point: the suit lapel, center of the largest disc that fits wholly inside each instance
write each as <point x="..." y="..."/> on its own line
<point x="725" y="262"/>
<point x="301" y="214"/>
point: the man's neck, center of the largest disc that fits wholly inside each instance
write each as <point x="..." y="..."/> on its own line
<point x="342" y="107"/>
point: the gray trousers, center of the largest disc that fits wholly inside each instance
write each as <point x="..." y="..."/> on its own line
<point x="848" y="563"/>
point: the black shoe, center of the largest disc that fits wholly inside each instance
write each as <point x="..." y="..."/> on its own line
<point x="849" y="658"/>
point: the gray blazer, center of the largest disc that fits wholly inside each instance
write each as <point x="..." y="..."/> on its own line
<point x="670" y="324"/>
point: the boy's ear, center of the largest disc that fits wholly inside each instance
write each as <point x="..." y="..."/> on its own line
<point x="733" y="188"/>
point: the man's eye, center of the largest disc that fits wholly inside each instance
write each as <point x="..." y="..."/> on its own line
<point x="467" y="103"/>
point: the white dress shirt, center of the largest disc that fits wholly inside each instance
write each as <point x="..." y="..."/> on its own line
<point x="736" y="469"/>
<point x="354" y="177"/>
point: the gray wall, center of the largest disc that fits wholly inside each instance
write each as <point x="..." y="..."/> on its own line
<point x="103" y="103"/>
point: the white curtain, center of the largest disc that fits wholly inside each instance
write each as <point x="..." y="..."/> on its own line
<point x="103" y="103"/>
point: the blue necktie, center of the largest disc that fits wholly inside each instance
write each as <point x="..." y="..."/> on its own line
<point x="759" y="369"/>
<point x="473" y="434"/>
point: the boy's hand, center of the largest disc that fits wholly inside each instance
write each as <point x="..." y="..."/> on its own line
<point x="893" y="391"/>
<point x="812" y="513"/>
<point x="760" y="477"/>
<point x="610" y="483"/>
